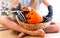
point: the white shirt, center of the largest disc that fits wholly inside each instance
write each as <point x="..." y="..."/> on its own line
<point x="27" y="3"/>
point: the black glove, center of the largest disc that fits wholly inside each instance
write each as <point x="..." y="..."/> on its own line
<point x="48" y="17"/>
<point x="50" y="9"/>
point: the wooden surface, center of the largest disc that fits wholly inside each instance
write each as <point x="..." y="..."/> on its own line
<point x="10" y="34"/>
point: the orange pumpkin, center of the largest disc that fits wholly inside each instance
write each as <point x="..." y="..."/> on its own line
<point x="32" y="16"/>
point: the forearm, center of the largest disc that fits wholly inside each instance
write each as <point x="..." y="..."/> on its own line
<point x="45" y="3"/>
<point x="33" y="3"/>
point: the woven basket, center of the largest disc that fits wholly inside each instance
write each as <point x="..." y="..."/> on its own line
<point x="32" y="26"/>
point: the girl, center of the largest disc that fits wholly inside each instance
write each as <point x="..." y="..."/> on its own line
<point x="35" y="4"/>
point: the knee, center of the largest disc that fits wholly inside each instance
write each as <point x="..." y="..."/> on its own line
<point x="55" y="28"/>
<point x="2" y="18"/>
<point x="52" y="28"/>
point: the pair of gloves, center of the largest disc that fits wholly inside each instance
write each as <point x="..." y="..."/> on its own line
<point x="48" y="17"/>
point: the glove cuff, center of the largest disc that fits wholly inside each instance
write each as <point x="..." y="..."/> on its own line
<point x="50" y="9"/>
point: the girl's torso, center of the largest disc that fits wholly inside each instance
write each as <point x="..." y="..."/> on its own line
<point x="27" y="3"/>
